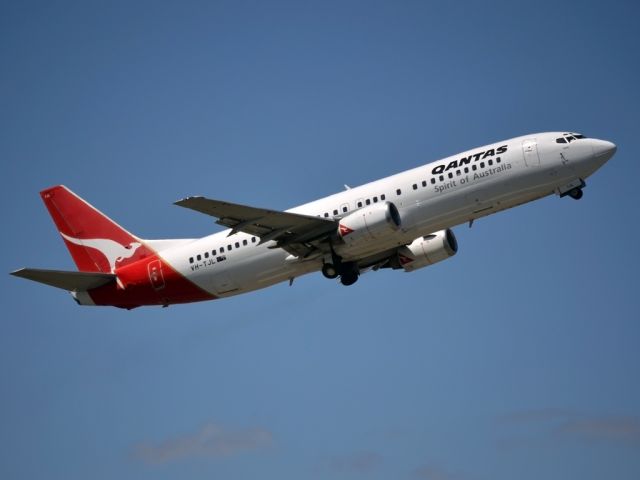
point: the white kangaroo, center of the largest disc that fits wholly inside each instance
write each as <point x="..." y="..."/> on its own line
<point x="113" y="251"/>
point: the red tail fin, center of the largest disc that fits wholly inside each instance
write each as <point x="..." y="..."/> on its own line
<point x="96" y="243"/>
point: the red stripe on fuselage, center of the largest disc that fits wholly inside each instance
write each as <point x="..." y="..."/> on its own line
<point x="151" y="281"/>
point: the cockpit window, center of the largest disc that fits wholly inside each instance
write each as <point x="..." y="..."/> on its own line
<point x="569" y="137"/>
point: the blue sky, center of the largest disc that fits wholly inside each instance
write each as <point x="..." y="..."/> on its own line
<point x="518" y="358"/>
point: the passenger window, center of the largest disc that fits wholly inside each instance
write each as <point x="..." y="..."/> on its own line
<point x="382" y="197"/>
<point x="498" y="160"/>
<point x="466" y="169"/>
<point x="398" y="192"/>
<point x="450" y="175"/>
<point x="490" y="162"/>
<point x="367" y="201"/>
<point x="190" y="259"/>
<point x="344" y="209"/>
<point x="458" y="173"/>
<point x="474" y="168"/>
<point x="359" y="204"/>
<point x="481" y="164"/>
<point x="221" y="249"/>
<point x="415" y="187"/>
<point x="326" y="215"/>
<point x="424" y="183"/>
<point x="335" y="212"/>
<point x="433" y="180"/>
<point x="237" y="244"/>
<point x="213" y="252"/>
<point x="375" y="199"/>
<point x="199" y="257"/>
<point x="442" y="178"/>
<point x="244" y="242"/>
<point x="229" y="248"/>
<point x="206" y="254"/>
<point x="253" y="239"/>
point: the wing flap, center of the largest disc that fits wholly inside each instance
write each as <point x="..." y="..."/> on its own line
<point x="71" y="281"/>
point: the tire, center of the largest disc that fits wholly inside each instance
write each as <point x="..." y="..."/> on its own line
<point x="329" y="271"/>
<point x="349" y="273"/>
<point x="576" y="193"/>
<point x="348" y="278"/>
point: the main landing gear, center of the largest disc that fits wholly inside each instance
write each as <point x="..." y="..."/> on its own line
<point x="329" y="271"/>
<point x="347" y="271"/>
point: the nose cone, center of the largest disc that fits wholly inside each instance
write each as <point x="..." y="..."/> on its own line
<point x="603" y="150"/>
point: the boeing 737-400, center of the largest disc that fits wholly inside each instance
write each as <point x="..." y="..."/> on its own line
<point x="402" y="222"/>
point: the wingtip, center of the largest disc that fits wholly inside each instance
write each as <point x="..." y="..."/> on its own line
<point x="20" y="273"/>
<point x="186" y="199"/>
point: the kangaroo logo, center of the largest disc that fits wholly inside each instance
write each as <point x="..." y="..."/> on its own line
<point x="344" y="230"/>
<point x="113" y="251"/>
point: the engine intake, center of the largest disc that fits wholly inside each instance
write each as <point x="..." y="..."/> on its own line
<point x="362" y="229"/>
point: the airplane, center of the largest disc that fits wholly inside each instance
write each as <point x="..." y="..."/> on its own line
<point x="401" y="222"/>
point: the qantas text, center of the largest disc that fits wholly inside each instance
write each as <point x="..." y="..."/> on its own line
<point x="467" y="160"/>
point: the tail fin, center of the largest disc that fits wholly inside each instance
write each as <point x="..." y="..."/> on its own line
<point x="95" y="242"/>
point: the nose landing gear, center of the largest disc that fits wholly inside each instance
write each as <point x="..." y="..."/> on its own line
<point x="573" y="189"/>
<point x="575" y="193"/>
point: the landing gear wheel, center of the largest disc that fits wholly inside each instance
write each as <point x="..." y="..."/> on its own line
<point x="329" y="270"/>
<point x="348" y="278"/>
<point x="349" y="273"/>
<point x="575" y="193"/>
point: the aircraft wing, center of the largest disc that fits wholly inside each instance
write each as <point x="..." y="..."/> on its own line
<point x="292" y="231"/>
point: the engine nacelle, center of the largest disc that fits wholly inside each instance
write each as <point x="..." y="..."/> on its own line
<point x="361" y="229"/>
<point x="425" y="251"/>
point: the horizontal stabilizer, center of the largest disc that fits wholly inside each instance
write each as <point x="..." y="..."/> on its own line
<point x="71" y="281"/>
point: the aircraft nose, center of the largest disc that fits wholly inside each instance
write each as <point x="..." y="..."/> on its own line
<point x="603" y="150"/>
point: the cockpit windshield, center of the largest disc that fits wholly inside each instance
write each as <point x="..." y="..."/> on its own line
<point x="569" y="137"/>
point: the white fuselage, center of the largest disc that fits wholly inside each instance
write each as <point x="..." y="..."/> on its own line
<point x="429" y="198"/>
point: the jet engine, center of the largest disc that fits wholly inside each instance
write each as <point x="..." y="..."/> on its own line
<point x="362" y="229"/>
<point x="425" y="251"/>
